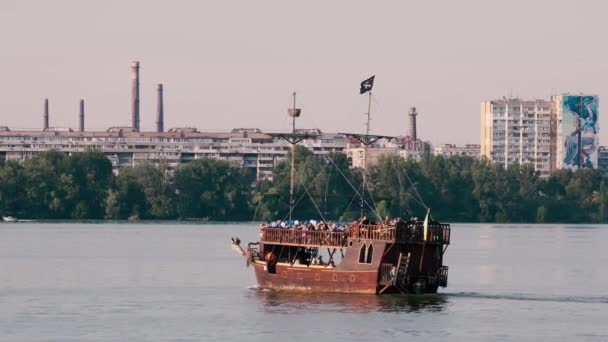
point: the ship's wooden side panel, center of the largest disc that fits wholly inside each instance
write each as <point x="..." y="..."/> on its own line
<point x="352" y="254"/>
<point x="368" y="266"/>
<point x="316" y="279"/>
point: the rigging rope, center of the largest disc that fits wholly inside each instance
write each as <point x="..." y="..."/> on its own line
<point x="373" y="201"/>
<point x="349" y="203"/>
<point x="313" y="200"/>
<point x="353" y="187"/>
<point x="414" y="187"/>
<point x="303" y="194"/>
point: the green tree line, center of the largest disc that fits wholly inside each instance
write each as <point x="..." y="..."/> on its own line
<point x="457" y="189"/>
<point x="83" y="186"/>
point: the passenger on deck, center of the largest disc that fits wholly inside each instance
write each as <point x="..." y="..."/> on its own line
<point x="320" y="260"/>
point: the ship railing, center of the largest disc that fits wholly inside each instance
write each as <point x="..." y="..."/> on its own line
<point x="414" y="231"/>
<point x="373" y="232"/>
<point x="401" y="233"/>
<point x="385" y="274"/>
<point x="289" y="236"/>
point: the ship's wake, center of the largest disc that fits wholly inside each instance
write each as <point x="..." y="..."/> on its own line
<point x="531" y="297"/>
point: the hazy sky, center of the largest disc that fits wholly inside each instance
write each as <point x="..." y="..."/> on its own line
<point x="227" y="64"/>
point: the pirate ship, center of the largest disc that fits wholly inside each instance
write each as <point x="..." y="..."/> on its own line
<point x="386" y="256"/>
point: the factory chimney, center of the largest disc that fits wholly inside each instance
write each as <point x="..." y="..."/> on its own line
<point x="135" y="95"/>
<point x="45" y="121"/>
<point x="160" y="123"/>
<point x="412" y="130"/>
<point x="81" y="117"/>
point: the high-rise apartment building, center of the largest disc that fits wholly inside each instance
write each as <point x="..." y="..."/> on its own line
<point x="516" y="131"/>
<point x="549" y="134"/>
<point x="577" y="131"/>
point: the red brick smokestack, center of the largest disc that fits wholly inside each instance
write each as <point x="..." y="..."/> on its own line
<point x="160" y="123"/>
<point x="81" y="117"/>
<point x="45" y="121"/>
<point x="412" y="128"/>
<point x="135" y="95"/>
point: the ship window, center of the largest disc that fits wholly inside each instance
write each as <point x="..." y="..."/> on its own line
<point x="366" y="254"/>
<point x="362" y="254"/>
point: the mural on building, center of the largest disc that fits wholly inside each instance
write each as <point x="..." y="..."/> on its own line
<point x="579" y="122"/>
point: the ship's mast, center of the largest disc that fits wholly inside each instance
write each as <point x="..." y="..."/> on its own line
<point x="367" y="129"/>
<point x="578" y="130"/>
<point x="366" y="140"/>
<point x="293" y="138"/>
<point x="294" y="113"/>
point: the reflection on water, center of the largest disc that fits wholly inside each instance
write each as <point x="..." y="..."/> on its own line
<point x="286" y="302"/>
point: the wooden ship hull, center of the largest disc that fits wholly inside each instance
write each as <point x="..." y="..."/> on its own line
<point x="376" y="259"/>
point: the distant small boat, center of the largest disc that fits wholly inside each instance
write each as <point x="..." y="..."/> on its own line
<point x="9" y="219"/>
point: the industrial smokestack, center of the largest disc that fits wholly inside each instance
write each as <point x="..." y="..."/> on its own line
<point x="45" y="121"/>
<point x="81" y="117"/>
<point x="135" y="95"/>
<point x="160" y="123"/>
<point x="412" y="114"/>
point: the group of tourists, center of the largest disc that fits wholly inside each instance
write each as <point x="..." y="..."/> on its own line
<point x="308" y="225"/>
<point x="333" y="226"/>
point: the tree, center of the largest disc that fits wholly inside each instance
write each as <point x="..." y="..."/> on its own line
<point x="90" y="176"/>
<point x="321" y="187"/>
<point x="12" y="189"/>
<point x="211" y="188"/>
<point x="46" y="183"/>
<point x="603" y="202"/>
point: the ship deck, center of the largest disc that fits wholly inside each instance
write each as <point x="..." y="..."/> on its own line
<point x="410" y="233"/>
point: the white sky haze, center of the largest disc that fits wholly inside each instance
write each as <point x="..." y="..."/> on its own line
<point x="227" y="64"/>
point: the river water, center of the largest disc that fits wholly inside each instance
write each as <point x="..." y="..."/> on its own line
<point x="182" y="282"/>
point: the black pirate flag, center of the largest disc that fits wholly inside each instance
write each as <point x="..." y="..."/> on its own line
<point x="367" y="85"/>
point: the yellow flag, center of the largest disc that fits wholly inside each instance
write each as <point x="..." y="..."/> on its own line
<point x="425" y="225"/>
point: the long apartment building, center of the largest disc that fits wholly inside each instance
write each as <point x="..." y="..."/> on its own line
<point x="542" y="133"/>
<point x="124" y="146"/>
<point x="450" y="150"/>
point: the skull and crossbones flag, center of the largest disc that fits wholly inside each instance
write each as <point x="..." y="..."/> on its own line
<point x="367" y="85"/>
